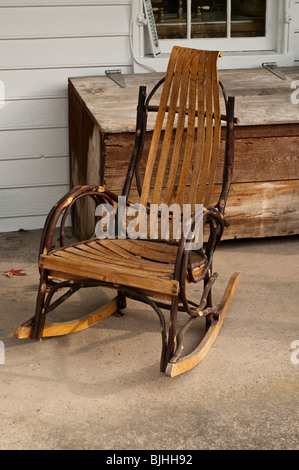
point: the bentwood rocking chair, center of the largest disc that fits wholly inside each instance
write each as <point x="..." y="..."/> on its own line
<point x="180" y="168"/>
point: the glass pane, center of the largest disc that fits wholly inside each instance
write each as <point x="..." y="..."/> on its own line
<point x="248" y="18"/>
<point x="209" y="19"/>
<point x="171" y="18"/>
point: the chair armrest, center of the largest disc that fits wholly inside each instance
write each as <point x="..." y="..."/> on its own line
<point x="63" y="207"/>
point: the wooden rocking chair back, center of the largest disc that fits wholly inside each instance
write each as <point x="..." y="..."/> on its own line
<point x="185" y="143"/>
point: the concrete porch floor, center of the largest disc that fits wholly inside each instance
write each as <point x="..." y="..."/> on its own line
<point x="101" y="388"/>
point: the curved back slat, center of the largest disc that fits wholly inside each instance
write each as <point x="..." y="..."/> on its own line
<point x="183" y="155"/>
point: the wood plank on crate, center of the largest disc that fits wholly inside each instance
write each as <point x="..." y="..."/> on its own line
<point x="260" y="209"/>
<point x="256" y="159"/>
<point x="266" y="147"/>
<point x="263" y="209"/>
<point x="261" y="97"/>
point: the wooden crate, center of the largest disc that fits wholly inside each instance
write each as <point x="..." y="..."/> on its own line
<point x="264" y="195"/>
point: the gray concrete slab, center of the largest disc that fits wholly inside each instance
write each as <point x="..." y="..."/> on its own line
<point x="102" y="389"/>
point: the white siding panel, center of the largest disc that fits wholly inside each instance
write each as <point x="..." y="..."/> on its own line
<point x="296" y="16"/>
<point x="49" y="53"/>
<point x="34" y="114"/>
<point x="63" y="22"/>
<point x="42" y="44"/>
<point x="296" y="46"/>
<point x="43" y="170"/>
<point x="296" y="29"/>
<point x="29" y="201"/>
<point x="45" y="83"/>
<point x="33" y="143"/>
<point x="60" y="3"/>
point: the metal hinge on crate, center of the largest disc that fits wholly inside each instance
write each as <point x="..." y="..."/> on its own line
<point x="116" y="76"/>
<point x="273" y="68"/>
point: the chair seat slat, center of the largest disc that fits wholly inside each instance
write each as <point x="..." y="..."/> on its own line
<point x="110" y="273"/>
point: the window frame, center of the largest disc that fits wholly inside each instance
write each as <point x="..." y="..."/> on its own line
<point x="237" y="52"/>
<point x="228" y="43"/>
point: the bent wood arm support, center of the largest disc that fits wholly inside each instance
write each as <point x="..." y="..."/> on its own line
<point x="212" y="217"/>
<point x="229" y="154"/>
<point x="141" y="121"/>
<point x="63" y="208"/>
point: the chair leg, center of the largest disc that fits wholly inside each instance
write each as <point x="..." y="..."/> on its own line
<point x="121" y="302"/>
<point x="36" y="330"/>
<point x="209" y="318"/>
<point x="172" y="333"/>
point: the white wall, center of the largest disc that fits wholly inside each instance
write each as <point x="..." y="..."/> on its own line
<point x="42" y="43"/>
<point x="296" y="31"/>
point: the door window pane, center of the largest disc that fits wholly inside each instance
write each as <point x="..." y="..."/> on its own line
<point x="248" y="18"/>
<point x="208" y="18"/>
<point x="171" y="18"/>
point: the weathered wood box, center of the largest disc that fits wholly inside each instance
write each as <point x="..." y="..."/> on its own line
<point x="264" y="196"/>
